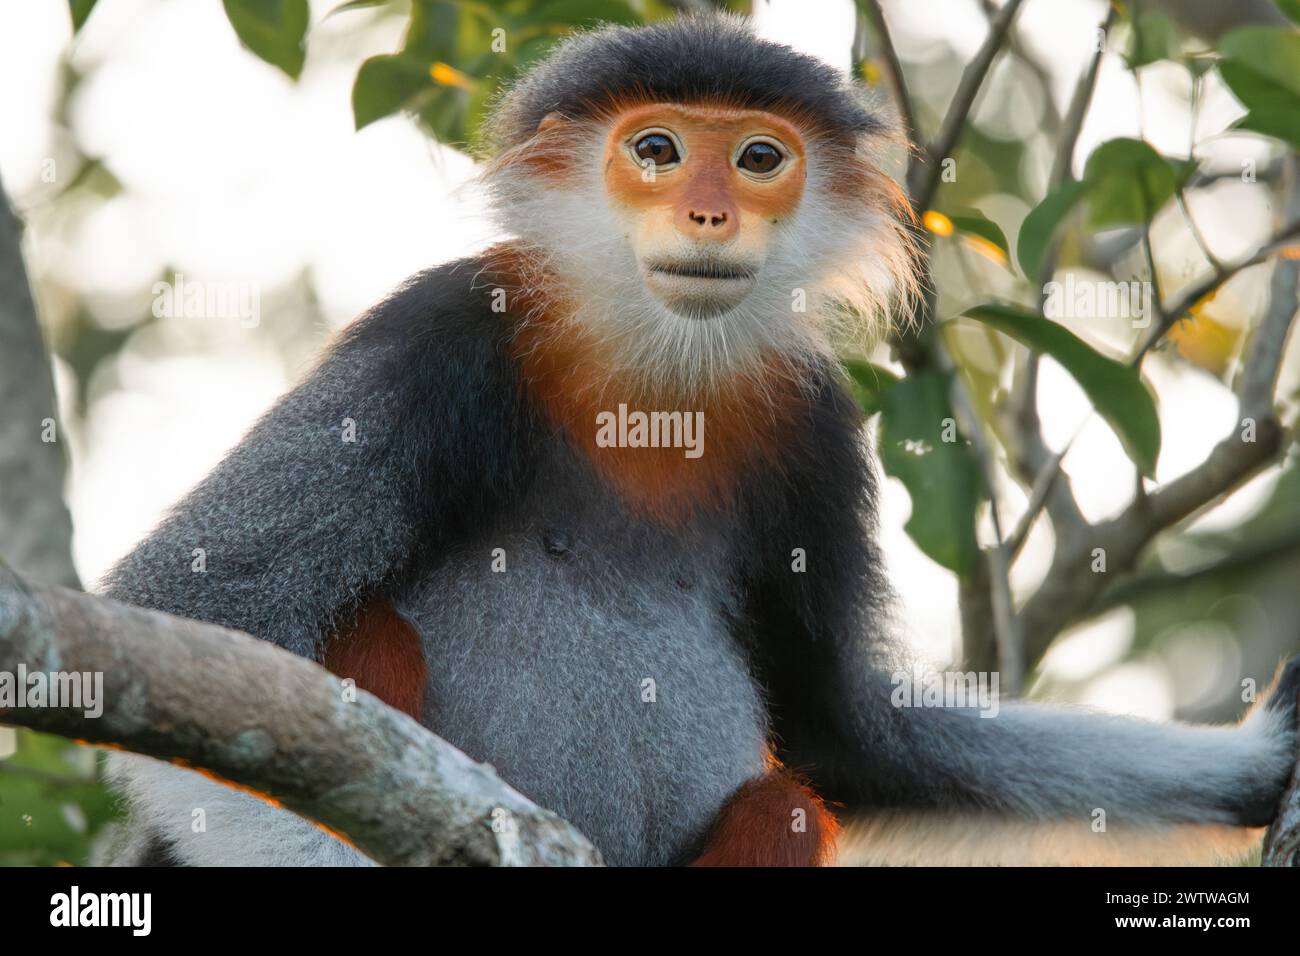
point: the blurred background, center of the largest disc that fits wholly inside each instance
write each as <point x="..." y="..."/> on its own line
<point x="151" y="146"/>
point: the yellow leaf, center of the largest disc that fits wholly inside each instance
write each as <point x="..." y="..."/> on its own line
<point x="1204" y="342"/>
<point x="448" y="75"/>
<point x="985" y="248"/>
<point x="937" y="223"/>
<point x="1202" y="302"/>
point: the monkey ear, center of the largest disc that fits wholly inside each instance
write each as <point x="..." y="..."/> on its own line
<point x="551" y="121"/>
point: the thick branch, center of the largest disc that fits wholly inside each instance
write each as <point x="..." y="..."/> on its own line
<point x="249" y="713"/>
<point x="35" y="528"/>
<point x="1257" y="556"/>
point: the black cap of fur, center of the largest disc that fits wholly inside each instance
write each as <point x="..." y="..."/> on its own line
<point x="682" y="60"/>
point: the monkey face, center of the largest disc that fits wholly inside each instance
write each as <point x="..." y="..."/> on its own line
<point x="695" y="240"/>
<point x="700" y="191"/>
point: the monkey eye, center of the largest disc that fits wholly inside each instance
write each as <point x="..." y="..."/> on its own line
<point x="657" y="149"/>
<point x="760" y="158"/>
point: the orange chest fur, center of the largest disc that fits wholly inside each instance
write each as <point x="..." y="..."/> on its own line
<point x="666" y="452"/>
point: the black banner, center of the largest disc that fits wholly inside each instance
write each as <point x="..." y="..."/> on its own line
<point x="927" y="906"/>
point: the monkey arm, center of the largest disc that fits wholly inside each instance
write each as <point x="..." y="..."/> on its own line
<point x="839" y="715"/>
<point x="833" y="671"/>
<point x="407" y="431"/>
<point x="1044" y="763"/>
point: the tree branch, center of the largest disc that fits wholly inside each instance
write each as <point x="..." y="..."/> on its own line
<point x="1249" y="558"/>
<point x="1039" y="467"/>
<point x="1070" y="587"/>
<point x="920" y="347"/>
<point x="902" y="98"/>
<point x="1077" y="111"/>
<point x="255" y="716"/>
<point x="1182" y="306"/>
<point x="1035" y="464"/>
<point x="1005" y="624"/>
<point x="35" y="527"/>
<point x="924" y="179"/>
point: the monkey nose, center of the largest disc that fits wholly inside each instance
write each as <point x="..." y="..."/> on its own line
<point x="701" y="221"/>
<point x="715" y="219"/>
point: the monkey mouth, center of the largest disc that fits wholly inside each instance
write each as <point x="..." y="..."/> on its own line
<point x="699" y="288"/>
<point x="703" y="269"/>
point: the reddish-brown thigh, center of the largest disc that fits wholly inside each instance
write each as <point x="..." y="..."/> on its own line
<point x="381" y="652"/>
<point x="773" y="820"/>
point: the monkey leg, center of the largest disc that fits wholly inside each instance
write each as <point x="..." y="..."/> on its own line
<point x="773" y="820"/>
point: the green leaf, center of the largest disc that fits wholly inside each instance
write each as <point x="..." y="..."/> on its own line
<point x="1116" y="390"/>
<point x="1290" y="8"/>
<point x="1261" y="65"/>
<point x="1154" y="38"/>
<point x="1272" y="52"/>
<point x="477" y="109"/>
<point x="975" y="223"/>
<point x="80" y="10"/>
<point x="1273" y="107"/>
<point x="1255" y="90"/>
<point x="532" y="50"/>
<point x="1283" y="124"/>
<point x="1128" y="182"/>
<point x="389" y="84"/>
<point x="941" y="477"/>
<point x="1183" y="170"/>
<point x="869" y="382"/>
<point x="274" y="30"/>
<point x="1040" y="225"/>
<point x="51" y="804"/>
<point x="577" y="12"/>
<point x="431" y="35"/>
<point x="444" y="115"/>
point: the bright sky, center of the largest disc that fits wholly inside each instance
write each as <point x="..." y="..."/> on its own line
<point x="234" y="173"/>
